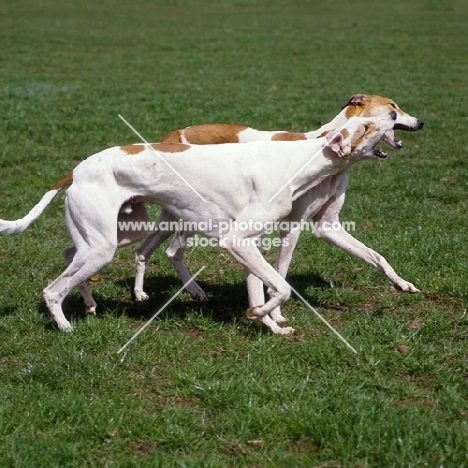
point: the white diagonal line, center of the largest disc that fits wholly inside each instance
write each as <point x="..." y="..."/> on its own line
<point x="161" y="309"/>
<point x="316" y="313"/>
<point x="306" y="164"/>
<point x="158" y="153"/>
<point x="323" y="320"/>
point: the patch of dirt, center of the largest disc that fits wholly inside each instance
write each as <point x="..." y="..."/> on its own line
<point x="234" y="447"/>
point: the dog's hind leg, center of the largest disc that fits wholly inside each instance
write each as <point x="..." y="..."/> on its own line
<point x="93" y="229"/>
<point x="289" y="240"/>
<point x="85" y="263"/>
<point x="175" y="254"/>
<point x="68" y="254"/>
<point x="142" y="253"/>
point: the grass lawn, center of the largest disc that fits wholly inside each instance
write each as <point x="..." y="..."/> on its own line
<point x="201" y="388"/>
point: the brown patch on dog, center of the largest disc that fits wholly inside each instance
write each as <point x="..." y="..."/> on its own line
<point x="352" y="111"/>
<point x="345" y="133"/>
<point x="288" y="136"/>
<point x="360" y="133"/>
<point x="325" y="133"/>
<point x="356" y="105"/>
<point x="170" y="147"/>
<point x="132" y="149"/>
<point x="363" y="105"/>
<point x="63" y="181"/>
<point x="211" y="134"/>
<point x="173" y="137"/>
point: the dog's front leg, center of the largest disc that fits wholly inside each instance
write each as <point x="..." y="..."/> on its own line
<point x="256" y="294"/>
<point x="289" y="240"/>
<point x="254" y="289"/>
<point x="327" y="223"/>
<point x="175" y="254"/>
<point x="253" y="262"/>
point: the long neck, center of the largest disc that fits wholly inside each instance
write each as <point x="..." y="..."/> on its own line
<point x="316" y="167"/>
<point x="336" y="123"/>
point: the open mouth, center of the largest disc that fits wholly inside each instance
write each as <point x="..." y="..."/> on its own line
<point x="406" y="128"/>
<point x="396" y="143"/>
<point x="389" y="137"/>
<point x="379" y="154"/>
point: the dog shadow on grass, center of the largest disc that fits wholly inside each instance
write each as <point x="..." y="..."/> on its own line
<point x="226" y="303"/>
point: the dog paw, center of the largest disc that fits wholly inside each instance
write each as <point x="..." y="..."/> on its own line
<point x="286" y="331"/>
<point x="65" y="326"/>
<point x="405" y="286"/>
<point x="278" y="318"/>
<point x="253" y="314"/>
<point x="140" y="296"/>
<point x="196" y="293"/>
<point x="91" y="310"/>
<point x="199" y="298"/>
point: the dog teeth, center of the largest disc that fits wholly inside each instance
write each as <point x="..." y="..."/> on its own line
<point x="397" y="143"/>
<point x="380" y="154"/>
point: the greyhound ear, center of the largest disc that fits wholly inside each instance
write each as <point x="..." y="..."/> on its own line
<point x="355" y="100"/>
<point x="337" y="144"/>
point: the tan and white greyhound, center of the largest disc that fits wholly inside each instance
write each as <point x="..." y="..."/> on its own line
<point x="322" y="203"/>
<point x="247" y="188"/>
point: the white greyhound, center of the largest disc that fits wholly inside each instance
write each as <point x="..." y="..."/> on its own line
<point x="322" y="204"/>
<point x="246" y="187"/>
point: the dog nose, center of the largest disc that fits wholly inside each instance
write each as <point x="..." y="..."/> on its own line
<point x="393" y="115"/>
<point x="420" y="124"/>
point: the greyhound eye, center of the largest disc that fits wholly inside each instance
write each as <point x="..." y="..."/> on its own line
<point x="366" y="127"/>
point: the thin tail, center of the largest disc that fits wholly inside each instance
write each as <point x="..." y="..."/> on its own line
<point x="19" y="225"/>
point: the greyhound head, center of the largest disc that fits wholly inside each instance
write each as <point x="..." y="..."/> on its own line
<point x="363" y="105"/>
<point x="361" y="135"/>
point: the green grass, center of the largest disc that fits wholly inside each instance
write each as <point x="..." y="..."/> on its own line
<point x="201" y="388"/>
